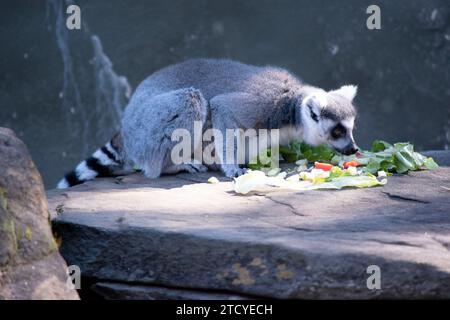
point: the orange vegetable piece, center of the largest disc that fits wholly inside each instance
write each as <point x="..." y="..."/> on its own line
<point x="323" y="166"/>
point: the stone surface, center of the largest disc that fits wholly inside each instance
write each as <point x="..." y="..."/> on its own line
<point x="30" y="265"/>
<point x="180" y="232"/>
<point x="139" y="292"/>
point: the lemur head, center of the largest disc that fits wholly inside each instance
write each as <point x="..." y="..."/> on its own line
<point x="328" y="117"/>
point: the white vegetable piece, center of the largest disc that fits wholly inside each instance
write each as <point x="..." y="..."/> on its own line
<point x="282" y="175"/>
<point x="293" y="178"/>
<point x="352" y="170"/>
<point x="319" y="173"/>
<point x="381" y="174"/>
<point x="301" y="162"/>
<point x="255" y="180"/>
<point x="258" y="181"/>
<point x="213" y="180"/>
<point x="306" y="176"/>
<point x="273" y="172"/>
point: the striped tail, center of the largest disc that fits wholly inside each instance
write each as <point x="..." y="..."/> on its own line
<point x="102" y="163"/>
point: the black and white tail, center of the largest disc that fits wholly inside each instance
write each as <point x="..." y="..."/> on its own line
<point x="102" y="163"/>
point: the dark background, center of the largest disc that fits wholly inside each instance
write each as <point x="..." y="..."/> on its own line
<point x="63" y="93"/>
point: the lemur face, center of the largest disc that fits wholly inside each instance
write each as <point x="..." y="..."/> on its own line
<point x="340" y="136"/>
<point x="328" y="117"/>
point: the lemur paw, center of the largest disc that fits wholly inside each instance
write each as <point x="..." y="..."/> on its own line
<point x="234" y="172"/>
<point x="195" y="168"/>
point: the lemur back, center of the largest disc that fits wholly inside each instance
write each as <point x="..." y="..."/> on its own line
<point x="215" y="77"/>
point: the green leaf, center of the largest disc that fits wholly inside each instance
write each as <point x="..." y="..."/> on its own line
<point x="400" y="167"/>
<point x="418" y="159"/>
<point x="336" y="172"/>
<point x="374" y="165"/>
<point x="257" y="180"/>
<point x="380" y="145"/>
<point x="397" y="158"/>
<point x="404" y="159"/>
<point x="430" y="164"/>
<point x="364" y="181"/>
<point x="261" y="161"/>
<point x="299" y="150"/>
<point x="387" y="165"/>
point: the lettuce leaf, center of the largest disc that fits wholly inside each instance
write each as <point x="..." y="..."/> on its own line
<point x="383" y="156"/>
<point x="430" y="164"/>
<point x="396" y="158"/>
<point x="258" y="181"/>
<point x="380" y="145"/>
<point x="299" y="150"/>
<point x="363" y="181"/>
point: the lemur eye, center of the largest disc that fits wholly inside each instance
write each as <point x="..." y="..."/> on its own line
<point x="338" y="131"/>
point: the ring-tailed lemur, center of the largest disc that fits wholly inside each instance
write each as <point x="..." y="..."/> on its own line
<point x="221" y="94"/>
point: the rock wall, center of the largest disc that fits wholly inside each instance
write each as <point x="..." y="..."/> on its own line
<point x="62" y="90"/>
<point x="30" y="264"/>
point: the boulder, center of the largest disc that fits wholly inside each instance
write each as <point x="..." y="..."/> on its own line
<point x="132" y="234"/>
<point x="30" y="264"/>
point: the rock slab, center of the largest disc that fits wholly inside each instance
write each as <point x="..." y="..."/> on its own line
<point x="30" y="264"/>
<point x="115" y="291"/>
<point x="180" y="232"/>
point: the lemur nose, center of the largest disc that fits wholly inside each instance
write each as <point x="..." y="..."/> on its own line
<point x="350" y="150"/>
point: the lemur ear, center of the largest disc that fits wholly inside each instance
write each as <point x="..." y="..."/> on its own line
<point x="315" y="101"/>
<point x="348" y="91"/>
<point x="313" y="105"/>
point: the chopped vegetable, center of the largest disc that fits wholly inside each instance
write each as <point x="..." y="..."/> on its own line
<point x="323" y="166"/>
<point x="273" y="172"/>
<point x="316" y="179"/>
<point x="348" y="171"/>
<point x="258" y="163"/>
<point x="302" y="165"/>
<point x="353" y="163"/>
<point x="363" y="181"/>
<point x="315" y="176"/>
<point x="430" y="164"/>
<point x="282" y="175"/>
<point x="381" y="174"/>
<point x="213" y="180"/>
<point x="294" y="177"/>
<point x="299" y="150"/>
<point x="380" y="145"/>
<point x="383" y="156"/>
<point x="352" y="170"/>
<point x="254" y="180"/>
<point x="396" y="158"/>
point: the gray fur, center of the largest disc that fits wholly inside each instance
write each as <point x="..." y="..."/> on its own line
<point x="148" y="124"/>
<point x="338" y="108"/>
<point x="222" y="94"/>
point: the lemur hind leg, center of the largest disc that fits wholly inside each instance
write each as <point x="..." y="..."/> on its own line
<point x="149" y="123"/>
